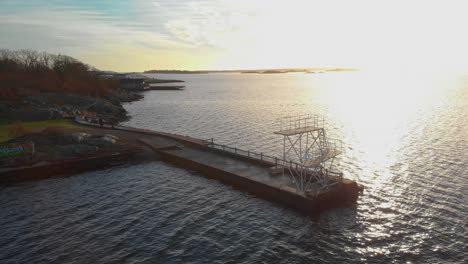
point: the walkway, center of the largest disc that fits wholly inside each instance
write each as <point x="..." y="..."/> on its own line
<point x="196" y="150"/>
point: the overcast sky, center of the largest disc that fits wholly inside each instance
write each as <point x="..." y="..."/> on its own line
<point x="240" y="34"/>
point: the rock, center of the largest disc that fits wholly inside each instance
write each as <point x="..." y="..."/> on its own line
<point x="55" y="106"/>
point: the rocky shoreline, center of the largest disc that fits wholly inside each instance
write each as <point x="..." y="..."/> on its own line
<point x="39" y="138"/>
<point x="48" y="106"/>
<point x="61" y="151"/>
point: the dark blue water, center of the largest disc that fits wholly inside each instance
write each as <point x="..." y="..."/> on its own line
<point x="407" y="147"/>
<point x="158" y="217"/>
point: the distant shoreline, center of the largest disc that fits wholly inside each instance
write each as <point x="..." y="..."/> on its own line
<point x="258" y="71"/>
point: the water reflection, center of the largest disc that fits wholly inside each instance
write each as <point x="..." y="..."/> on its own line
<point x="413" y="163"/>
<point x="376" y="114"/>
<point x="401" y="131"/>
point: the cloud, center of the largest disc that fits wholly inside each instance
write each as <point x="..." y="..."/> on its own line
<point x="68" y="29"/>
<point x="294" y="33"/>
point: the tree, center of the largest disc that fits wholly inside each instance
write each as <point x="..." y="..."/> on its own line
<point x="24" y="72"/>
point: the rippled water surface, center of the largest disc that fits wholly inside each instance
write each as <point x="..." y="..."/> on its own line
<point x="406" y="141"/>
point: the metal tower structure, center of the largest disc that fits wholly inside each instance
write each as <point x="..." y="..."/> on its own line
<point x="310" y="153"/>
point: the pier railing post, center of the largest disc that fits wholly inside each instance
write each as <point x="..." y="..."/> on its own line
<point x="248" y="153"/>
<point x="235" y="150"/>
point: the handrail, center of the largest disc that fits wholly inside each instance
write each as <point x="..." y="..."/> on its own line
<point x="295" y="169"/>
<point x="301" y="121"/>
<point x="250" y="154"/>
<point x="332" y="145"/>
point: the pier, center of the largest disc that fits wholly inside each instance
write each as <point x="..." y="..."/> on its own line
<point x="304" y="184"/>
<point x="304" y="178"/>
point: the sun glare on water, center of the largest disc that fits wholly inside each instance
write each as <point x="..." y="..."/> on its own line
<point x="377" y="111"/>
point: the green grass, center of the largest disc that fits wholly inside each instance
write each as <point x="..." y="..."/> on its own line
<point x="62" y="123"/>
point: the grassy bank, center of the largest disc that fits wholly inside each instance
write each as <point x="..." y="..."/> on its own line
<point x="13" y="130"/>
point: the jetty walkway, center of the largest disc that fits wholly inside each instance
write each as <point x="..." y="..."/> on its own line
<point x="255" y="173"/>
<point x="196" y="153"/>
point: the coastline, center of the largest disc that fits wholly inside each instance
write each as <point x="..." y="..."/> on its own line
<point x="48" y="121"/>
<point x="258" y="71"/>
<point x="53" y="105"/>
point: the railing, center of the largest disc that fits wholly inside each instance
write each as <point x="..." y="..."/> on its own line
<point x="301" y="121"/>
<point x="334" y="144"/>
<point x="274" y="161"/>
<point x="244" y="153"/>
<point x="297" y="171"/>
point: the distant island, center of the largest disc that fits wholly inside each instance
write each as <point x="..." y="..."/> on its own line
<point x="177" y="72"/>
<point x="258" y="71"/>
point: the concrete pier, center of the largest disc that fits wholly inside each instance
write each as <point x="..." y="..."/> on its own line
<point x="255" y="177"/>
<point x="248" y="171"/>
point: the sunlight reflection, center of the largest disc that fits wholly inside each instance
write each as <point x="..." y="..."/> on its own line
<point x="377" y="112"/>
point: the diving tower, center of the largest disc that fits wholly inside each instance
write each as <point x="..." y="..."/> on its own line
<point x="312" y="154"/>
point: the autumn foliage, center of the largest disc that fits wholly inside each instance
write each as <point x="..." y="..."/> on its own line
<point x="27" y="72"/>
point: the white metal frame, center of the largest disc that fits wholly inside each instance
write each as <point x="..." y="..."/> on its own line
<point x="312" y="155"/>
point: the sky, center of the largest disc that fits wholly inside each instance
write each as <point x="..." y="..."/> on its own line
<point x="242" y="34"/>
